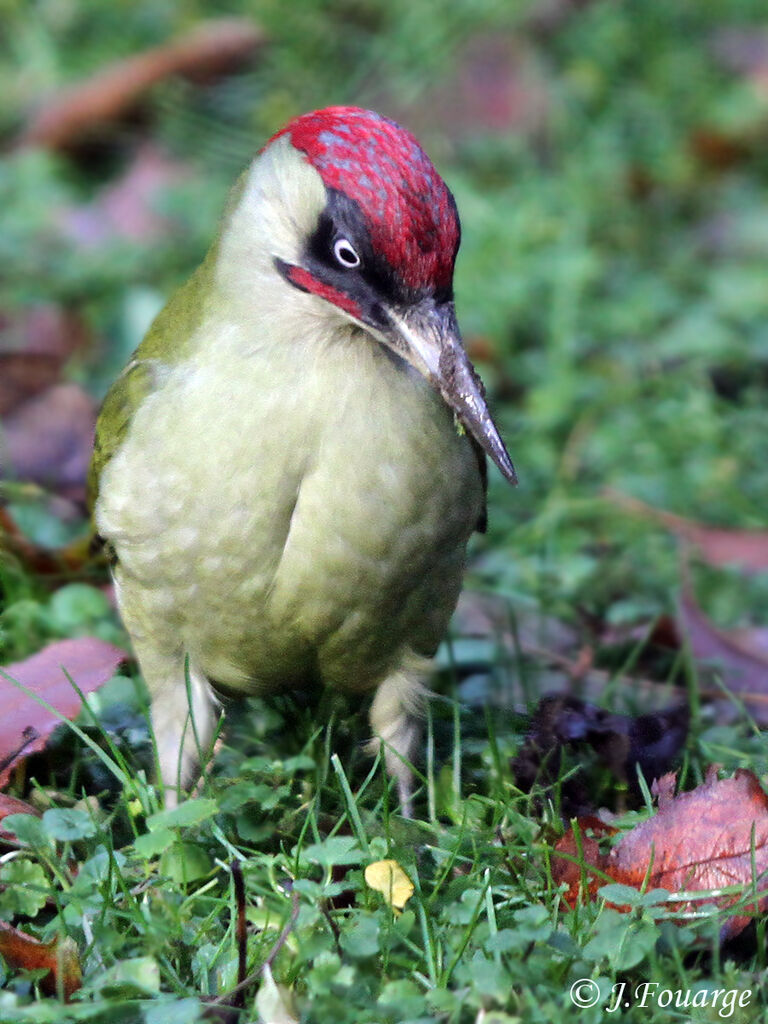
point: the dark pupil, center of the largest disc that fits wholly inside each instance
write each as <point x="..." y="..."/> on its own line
<point x="346" y="255"/>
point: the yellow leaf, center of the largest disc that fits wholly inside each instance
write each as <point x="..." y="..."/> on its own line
<point x="388" y="878"/>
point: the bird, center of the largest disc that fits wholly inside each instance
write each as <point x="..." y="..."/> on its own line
<point x="287" y="472"/>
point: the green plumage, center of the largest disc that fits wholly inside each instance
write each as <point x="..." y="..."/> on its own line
<point x="287" y="498"/>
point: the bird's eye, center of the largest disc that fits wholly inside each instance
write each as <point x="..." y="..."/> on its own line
<point x="345" y="254"/>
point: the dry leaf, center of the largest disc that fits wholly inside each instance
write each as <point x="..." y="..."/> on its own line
<point x="59" y="957"/>
<point x="49" y="440"/>
<point x="26" y="725"/>
<point x="702" y="840"/>
<point x="740" y="655"/>
<point x="211" y="48"/>
<point x="496" y="87"/>
<point x="580" y="862"/>
<point x="388" y="878"/>
<point x="745" y="548"/>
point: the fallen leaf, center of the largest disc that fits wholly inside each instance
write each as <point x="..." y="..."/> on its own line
<point x="622" y="742"/>
<point x="745" y="548"/>
<point x="212" y="48"/>
<point x="35" y="343"/>
<point x="59" y="957"/>
<point x="49" y="440"/>
<point x="10" y="805"/>
<point x="739" y="655"/>
<point x="579" y="861"/>
<point x="741" y="49"/>
<point x="26" y="724"/>
<point x="699" y="842"/>
<point x="515" y="627"/>
<point x="388" y="878"/>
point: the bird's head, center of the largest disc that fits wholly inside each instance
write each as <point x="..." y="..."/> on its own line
<point x="345" y="206"/>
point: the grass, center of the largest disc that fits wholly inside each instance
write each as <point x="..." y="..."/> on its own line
<point x="147" y="894"/>
<point x="613" y="275"/>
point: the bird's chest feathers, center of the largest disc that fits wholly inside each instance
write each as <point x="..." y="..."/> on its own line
<point x="316" y="488"/>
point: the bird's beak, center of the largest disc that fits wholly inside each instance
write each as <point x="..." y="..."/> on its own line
<point x="428" y="337"/>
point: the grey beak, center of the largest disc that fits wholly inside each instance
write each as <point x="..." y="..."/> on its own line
<point x="428" y="338"/>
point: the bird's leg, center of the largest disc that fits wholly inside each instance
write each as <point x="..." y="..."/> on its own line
<point x="183" y="727"/>
<point x="394" y="718"/>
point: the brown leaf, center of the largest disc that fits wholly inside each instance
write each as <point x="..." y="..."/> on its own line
<point x="35" y="343"/>
<point x="59" y="957"/>
<point x="740" y="655"/>
<point x="746" y="548"/>
<point x="25" y="724"/>
<point x="49" y="440"/>
<point x="702" y="841"/>
<point x="213" y="47"/>
<point x="720" y="151"/>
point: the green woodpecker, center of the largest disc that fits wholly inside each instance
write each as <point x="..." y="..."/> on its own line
<point x="289" y="468"/>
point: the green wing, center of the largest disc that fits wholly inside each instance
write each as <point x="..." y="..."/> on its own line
<point x="123" y="399"/>
<point x="168" y="342"/>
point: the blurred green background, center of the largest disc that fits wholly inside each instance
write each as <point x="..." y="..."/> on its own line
<point x="609" y="165"/>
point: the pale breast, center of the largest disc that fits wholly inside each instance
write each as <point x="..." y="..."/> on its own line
<point x="312" y="525"/>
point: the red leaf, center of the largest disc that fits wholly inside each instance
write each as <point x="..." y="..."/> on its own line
<point x="25" y="724"/>
<point x="565" y="867"/>
<point x="704" y="840"/>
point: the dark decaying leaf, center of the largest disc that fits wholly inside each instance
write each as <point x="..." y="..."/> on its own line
<point x="26" y="725"/>
<point x="712" y="838"/>
<point x="652" y="741"/>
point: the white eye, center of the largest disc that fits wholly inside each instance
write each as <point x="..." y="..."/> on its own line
<point x="345" y="254"/>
